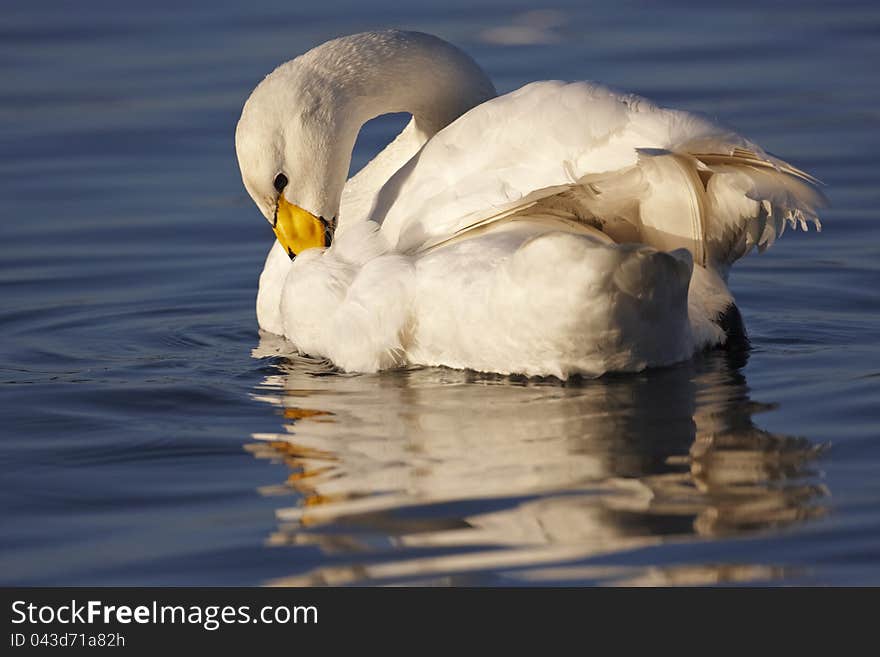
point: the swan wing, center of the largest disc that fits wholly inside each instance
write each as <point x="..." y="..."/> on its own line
<point x="617" y="162"/>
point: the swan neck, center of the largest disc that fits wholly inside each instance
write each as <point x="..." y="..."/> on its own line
<point x="393" y="71"/>
<point x="364" y="76"/>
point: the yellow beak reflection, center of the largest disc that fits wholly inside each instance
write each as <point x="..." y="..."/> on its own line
<point x="298" y="230"/>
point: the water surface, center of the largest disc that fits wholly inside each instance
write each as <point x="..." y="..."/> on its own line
<point x="150" y="435"/>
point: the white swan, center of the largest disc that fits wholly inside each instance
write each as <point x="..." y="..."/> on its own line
<point x="556" y="230"/>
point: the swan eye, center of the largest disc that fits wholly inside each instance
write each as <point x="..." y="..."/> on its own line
<point x="280" y="182"/>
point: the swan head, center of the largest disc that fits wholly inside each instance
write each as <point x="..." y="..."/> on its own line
<point x="298" y="128"/>
<point x="287" y="143"/>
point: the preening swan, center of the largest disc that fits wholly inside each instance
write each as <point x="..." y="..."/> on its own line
<point x="556" y="230"/>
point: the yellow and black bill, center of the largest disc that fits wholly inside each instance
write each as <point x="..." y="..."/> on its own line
<point x="298" y="229"/>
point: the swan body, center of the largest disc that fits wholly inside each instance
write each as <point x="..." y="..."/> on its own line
<point x="560" y="229"/>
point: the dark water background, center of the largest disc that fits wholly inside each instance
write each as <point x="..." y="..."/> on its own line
<point x="150" y="437"/>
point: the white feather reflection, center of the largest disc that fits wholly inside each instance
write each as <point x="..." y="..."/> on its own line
<point x="438" y="476"/>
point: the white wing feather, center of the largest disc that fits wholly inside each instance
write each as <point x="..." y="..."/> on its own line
<point x="638" y="172"/>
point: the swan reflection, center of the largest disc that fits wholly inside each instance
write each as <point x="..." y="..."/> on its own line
<point x="439" y="476"/>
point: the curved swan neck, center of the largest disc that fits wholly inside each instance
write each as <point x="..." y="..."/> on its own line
<point x="376" y="73"/>
<point x="344" y="83"/>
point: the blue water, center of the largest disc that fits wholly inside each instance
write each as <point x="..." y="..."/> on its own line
<point x="150" y="436"/>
